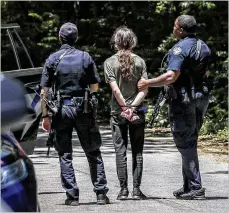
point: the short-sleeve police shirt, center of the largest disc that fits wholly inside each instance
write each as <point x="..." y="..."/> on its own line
<point x="89" y="67"/>
<point x="184" y="50"/>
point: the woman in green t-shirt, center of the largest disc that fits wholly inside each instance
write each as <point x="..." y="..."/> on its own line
<point x="123" y="70"/>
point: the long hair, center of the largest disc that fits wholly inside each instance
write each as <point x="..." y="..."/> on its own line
<point x="124" y="40"/>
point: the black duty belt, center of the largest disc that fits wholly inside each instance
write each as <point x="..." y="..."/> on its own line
<point x="74" y="101"/>
<point x="78" y="93"/>
<point x="67" y="102"/>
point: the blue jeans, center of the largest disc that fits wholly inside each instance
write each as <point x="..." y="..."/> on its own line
<point x="186" y="121"/>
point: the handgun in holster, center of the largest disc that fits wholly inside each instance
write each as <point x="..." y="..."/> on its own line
<point x="94" y="106"/>
<point x="56" y="105"/>
<point x="170" y="92"/>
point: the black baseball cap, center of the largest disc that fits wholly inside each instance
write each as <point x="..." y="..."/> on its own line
<point x="68" y="32"/>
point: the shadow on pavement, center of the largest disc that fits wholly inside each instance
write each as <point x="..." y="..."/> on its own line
<point x="216" y="198"/>
<point x="173" y="198"/>
<point x="158" y="145"/>
<point x="147" y="198"/>
<point x="85" y="204"/>
<point x="39" y="163"/>
<point x="169" y="198"/>
<point x="47" y="193"/>
<point x="216" y="172"/>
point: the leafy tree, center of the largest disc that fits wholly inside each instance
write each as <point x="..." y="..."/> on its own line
<point x="151" y="21"/>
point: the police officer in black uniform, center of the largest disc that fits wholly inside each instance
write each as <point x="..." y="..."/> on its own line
<point x="186" y="76"/>
<point x="71" y="72"/>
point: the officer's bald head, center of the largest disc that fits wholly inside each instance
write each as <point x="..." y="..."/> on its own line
<point x="188" y="23"/>
<point x="68" y="33"/>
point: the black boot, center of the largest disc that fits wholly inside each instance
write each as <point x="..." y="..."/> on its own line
<point x="198" y="194"/>
<point x="138" y="195"/>
<point x="72" y="202"/>
<point x="123" y="194"/>
<point x="102" y="199"/>
<point x="179" y="192"/>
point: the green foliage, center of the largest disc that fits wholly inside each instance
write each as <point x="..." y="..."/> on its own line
<point x="152" y="21"/>
<point x="149" y="112"/>
<point x="223" y="134"/>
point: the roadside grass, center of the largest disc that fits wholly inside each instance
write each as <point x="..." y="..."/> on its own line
<point x="212" y="144"/>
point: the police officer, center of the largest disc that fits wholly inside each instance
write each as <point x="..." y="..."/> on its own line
<point x="187" y="73"/>
<point x="75" y="72"/>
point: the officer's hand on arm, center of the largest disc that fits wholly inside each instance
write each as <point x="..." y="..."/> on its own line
<point x="165" y="79"/>
<point x="142" y="84"/>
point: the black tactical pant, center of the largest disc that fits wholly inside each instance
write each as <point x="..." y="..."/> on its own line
<point x="90" y="140"/>
<point x="186" y="121"/>
<point x="119" y="127"/>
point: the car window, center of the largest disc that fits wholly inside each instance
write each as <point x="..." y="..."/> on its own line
<point x="8" y="59"/>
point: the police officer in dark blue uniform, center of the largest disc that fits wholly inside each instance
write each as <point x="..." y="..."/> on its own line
<point x="71" y="72"/>
<point x="186" y="76"/>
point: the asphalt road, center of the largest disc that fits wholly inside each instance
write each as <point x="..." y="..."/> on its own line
<point x="161" y="176"/>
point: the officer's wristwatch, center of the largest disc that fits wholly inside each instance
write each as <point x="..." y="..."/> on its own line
<point x="45" y="116"/>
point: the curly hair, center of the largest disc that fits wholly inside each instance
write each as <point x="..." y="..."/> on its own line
<point x="124" y="40"/>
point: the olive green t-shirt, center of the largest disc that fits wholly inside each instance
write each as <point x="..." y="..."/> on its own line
<point x="127" y="87"/>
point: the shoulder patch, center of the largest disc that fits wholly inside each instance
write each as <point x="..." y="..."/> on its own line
<point x="177" y="50"/>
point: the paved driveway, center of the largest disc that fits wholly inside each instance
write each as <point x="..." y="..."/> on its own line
<point x="161" y="175"/>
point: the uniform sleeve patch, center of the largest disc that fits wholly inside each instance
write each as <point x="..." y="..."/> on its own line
<point x="176" y="50"/>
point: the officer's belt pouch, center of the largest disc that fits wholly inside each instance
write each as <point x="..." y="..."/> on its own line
<point x="195" y="93"/>
<point x="201" y="92"/>
<point x="184" y="96"/>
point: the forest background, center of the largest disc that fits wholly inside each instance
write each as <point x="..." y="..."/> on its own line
<point x="152" y="21"/>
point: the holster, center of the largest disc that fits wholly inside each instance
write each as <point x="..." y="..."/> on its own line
<point x="94" y="106"/>
<point x="52" y="106"/>
<point x="170" y="92"/>
<point x="90" y="103"/>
